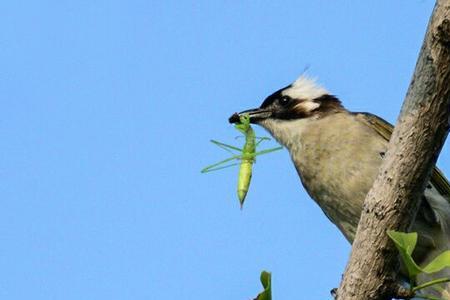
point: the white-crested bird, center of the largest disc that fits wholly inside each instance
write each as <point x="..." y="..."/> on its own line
<point x="337" y="154"/>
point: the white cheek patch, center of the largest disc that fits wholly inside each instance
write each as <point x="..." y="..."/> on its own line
<point x="307" y="106"/>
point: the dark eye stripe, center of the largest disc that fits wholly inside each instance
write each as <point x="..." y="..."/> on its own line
<point x="284" y="100"/>
<point x="274" y="97"/>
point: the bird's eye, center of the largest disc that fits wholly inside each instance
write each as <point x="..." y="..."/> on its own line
<point x="284" y="100"/>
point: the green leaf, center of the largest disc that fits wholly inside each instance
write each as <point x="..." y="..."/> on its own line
<point x="266" y="280"/>
<point x="437" y="264"/>
<point x="405" y="243"/>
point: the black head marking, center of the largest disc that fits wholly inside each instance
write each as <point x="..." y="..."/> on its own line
<point x="328" y="103"/>
<point x="272" y="98"/>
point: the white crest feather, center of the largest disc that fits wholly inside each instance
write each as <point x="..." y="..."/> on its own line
<point x="305" y="88"/>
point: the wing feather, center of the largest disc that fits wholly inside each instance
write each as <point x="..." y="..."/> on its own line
<point x="384" y="128"/>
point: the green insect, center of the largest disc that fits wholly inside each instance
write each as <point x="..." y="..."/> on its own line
<point x="247" y="156"/>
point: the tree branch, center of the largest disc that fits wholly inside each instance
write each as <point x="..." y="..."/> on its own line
<point x="395" y="197"/>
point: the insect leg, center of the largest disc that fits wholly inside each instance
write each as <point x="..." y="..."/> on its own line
<point x="226" y="147"/>
<point x="268" y="151"/>
<point x="220" y="168"/>
<point x="215" y="166"/>
<point x="261" y="139"/>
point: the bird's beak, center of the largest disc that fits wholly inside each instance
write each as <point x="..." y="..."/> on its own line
<point x="255" y="115"/>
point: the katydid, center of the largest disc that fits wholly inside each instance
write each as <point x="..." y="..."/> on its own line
<point x="247" y="156"/>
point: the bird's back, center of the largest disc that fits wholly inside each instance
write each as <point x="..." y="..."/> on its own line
<point x="338" y="158"/>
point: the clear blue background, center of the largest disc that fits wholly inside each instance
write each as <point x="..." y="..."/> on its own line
<point x="106" y="112"/>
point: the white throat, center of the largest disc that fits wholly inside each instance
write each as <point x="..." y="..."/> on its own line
<point x="287" y="132"/>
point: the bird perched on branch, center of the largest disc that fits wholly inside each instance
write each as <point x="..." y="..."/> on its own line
<point x="337" y="154"/>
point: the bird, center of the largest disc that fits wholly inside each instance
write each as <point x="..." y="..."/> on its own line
<point x="337" y="154"/>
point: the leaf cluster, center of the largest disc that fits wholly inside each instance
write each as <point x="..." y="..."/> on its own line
<point x="405" y="244"/>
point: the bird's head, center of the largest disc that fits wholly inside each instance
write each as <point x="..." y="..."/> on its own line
<point x="286" y="111"/>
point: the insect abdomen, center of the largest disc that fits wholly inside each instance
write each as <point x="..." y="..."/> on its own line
<point x="245" y="175"/>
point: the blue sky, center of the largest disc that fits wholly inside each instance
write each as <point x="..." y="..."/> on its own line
<point x="107" y="108"/>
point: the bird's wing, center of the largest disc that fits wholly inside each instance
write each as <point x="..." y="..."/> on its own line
<point x="385" y="129"/>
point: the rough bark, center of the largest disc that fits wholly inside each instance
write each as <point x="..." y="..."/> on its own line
<point x="418" y="137"/>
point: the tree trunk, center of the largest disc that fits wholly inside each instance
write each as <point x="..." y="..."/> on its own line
<point x="395" y="197"/>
